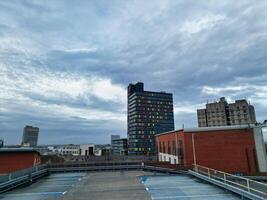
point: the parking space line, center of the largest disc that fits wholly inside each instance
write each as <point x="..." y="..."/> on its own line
<point x="192" y="196"/>
<point x="178" y="187"/>
<point x="37" y="193"/>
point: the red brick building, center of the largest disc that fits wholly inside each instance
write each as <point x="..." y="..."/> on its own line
<point x="13" y="159"/>
<point x="233" y="149"/>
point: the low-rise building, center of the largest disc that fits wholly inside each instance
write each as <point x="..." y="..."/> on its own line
<point x="87" y="149"/>
<point x="70" y="149"/>
<point x="13" y="159"/>
<point x="233" y="149"/>
<point x="67" y="149"/>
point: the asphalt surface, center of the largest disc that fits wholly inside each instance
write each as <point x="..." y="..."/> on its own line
<point x="115" y="185"/>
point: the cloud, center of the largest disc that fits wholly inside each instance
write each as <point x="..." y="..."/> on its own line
<point x="203" y="23"/>
<point x="221" y="90"/>
<point x="186" y="108"/>
<point x="81" y="50"/>
<point x="65" y="66"/>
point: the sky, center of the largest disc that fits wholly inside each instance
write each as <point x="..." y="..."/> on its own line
<point x="65" y="65"/>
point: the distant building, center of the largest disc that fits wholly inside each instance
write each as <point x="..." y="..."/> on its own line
<point x="102" y="149"/>
<point x="114" y="137"/>
<point x="232" y="149"/>
<point x="44" y="150"/>
<point x="222" y="113"/>
<point x="70" y="150"/>
<point x="87" y="150"/>
<point x="120" y="147"/>
<point x="67" y="149"/>
<point x="30" y="136"/>
<point x="1" y="143"/>
<point x="149" y="113"/>
<point x="13" y="159"/>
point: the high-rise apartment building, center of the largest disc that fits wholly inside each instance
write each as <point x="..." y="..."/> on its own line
<point x="222" y="113"/>
<point x="30" y="136"/>
<point x="149" y="113"/>
<point x="120" y="146"/>
<point x="114" y="137"/>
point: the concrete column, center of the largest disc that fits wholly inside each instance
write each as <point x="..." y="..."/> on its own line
<point x="260" y="149"/>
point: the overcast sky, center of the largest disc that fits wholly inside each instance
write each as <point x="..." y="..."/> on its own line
<point x="65" y="65"/>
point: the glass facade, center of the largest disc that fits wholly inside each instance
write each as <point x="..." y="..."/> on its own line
<point x="149" y="113"/>
<point x="120" y="147"/>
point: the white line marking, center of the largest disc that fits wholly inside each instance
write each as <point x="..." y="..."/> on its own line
<point x="54" y="186"/>
<point x="37" y="193"/>
<point x="182" y="187"/>
<point x="192" y="196"/>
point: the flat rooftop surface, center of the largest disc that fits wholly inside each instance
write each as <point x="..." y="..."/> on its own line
<point x="52" y="187"/>
<point x="183" y="187"/>
<point x="115" y="185"/>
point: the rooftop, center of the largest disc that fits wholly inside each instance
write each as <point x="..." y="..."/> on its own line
<point x="214" y="128"/>
<point x="118" y="185"/>
<point x="11" y="150"/>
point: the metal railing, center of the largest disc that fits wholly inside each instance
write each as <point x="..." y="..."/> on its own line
<point x="20" y="173"/>
<point x="248" y="185"/>
<point x="93" y="164"/>
<point x="21" y="177"/>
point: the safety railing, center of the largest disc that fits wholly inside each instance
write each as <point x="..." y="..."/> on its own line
<point x="93" y="164"/>
<point x="21" y="177"/>
<point x="251" y="186"/>
<point x="20" y="173"/>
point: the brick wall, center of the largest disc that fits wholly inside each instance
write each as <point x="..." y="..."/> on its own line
<point x="230" y="151"/>
<point x="13" y="161"/>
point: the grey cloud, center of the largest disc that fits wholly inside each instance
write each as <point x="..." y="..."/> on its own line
<point x="138" y="41"/>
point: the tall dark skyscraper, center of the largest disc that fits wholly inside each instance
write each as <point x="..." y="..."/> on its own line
<point x="149" y="113"/>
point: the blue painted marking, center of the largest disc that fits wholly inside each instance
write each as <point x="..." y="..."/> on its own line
<point x="182" y="187"/>
<point x="143" y="178"/>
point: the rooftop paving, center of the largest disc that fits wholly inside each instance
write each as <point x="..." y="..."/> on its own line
<point x="183" y="187"/>
<point x="52" y="187"/>
<point x="118" y="185"/>
<point x="110" y="185"/>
